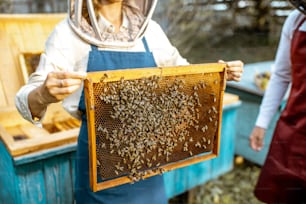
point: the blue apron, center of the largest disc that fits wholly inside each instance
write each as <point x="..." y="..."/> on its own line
<point x="148" y="191"/>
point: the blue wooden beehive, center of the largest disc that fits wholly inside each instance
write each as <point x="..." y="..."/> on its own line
<point x="251" y="97"/>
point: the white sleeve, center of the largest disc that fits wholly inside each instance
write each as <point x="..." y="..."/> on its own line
<point x="62" y="49"/>
<point x="280" y="77"/>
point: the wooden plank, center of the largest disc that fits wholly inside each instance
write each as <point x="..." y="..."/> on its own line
<point x="3" y="101"/>
<point x="49" y="18"/>
<point x="44" y="142"/>
<point x="6" y="138"/>
<point x="230" y="99"/>
<point x="21" y="32"/>
<point x="129" y="74"/>
<point x="40" y="37"/>
<point x="12" y="124"/>
<point x="58" y="179"/>
<point x="8" y="179"/>
<point x="33" y="131"/>
<point x="31" y="183"/>
<point x="10" y="117"/>
<point x="10" y="76"/>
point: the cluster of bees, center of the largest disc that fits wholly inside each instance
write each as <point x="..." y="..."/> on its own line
<point x="154" y="118"/>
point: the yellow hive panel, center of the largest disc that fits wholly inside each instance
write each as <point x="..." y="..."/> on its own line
<point x="143" y="122"/>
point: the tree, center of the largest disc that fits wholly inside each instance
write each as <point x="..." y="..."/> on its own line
<point x="186" y="21"/>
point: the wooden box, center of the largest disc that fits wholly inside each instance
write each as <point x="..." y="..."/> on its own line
<point x="167" y="118"/>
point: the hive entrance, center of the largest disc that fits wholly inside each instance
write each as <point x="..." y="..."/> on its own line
<point x="146" y="125"/>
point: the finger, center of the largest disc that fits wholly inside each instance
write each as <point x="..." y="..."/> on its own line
<point x="254" y="144"/>
<point x="234" y="69"/>
<point x="235" y="77"/>
<point x="70" y="75"/>
<point x="68" y="82"/>
<point x="236" y="63"/>
<point x="62" y="92"/>
<point x="236" y="74"/>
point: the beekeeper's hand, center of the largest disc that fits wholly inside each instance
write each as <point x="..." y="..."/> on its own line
<point x="57" y="86"/>
<point x="234" y="70"/>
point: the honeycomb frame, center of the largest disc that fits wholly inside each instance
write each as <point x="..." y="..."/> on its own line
<point x="108" y="168"/>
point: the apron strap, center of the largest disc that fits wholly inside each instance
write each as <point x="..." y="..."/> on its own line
<point x="94" y="47"/>
<point x="145" y="44"/>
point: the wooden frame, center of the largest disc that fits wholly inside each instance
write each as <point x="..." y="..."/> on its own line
<point x="131" y="74"/>
<point x="27" y="69"/>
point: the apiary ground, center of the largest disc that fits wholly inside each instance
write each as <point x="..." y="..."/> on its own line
<point x="234" y="187"/>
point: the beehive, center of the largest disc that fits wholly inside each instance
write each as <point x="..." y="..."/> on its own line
<point x="143" y="122"/>
<point x="21" y="43"/>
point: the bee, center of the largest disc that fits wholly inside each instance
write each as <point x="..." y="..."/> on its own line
<point x="214" y="109"/>
<point x="105" y="76"/>
<point x="198" y="144"/>
<point x="100" y="127"/>
<point x="202" y="84"/>
<point x="98" y="163"/>
<point x="204" y="139"/>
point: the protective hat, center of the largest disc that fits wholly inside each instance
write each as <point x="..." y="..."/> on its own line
<point x="299" y="4"/>
<point x="84" y="22"/>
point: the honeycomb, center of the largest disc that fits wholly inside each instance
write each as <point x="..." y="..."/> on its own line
<point x="143" y="124"/>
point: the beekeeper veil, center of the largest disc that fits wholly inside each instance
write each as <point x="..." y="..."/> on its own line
<point x="83" y="19"/>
